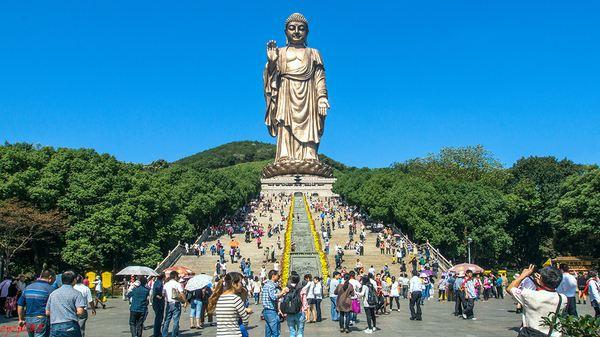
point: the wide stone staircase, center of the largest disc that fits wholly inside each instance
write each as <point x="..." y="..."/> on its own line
<point x="304" y="259"/>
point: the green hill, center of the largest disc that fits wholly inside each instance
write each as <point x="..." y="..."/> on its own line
<point x="240" y="152"/>
<point x="230" y="154"/>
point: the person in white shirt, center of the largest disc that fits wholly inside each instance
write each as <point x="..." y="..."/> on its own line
<point x="89" y="299"/>
<point x="372" y="271"/>
<point x="173" y="293"/>
<point x="357" y="288"/>
<point x="568" y="287"/>
<point x="539" y="303"/>
<point x="415" y="289"/>
<point x="308" y="289"/>
<point x="276" y="266"/>
<point x="99" y="289"/>
<point x="404" y="283"/>
<point x="594" y="291"/>
<point x="333" y="283"/>
<point x="395" y="294"/>
<point x="318" y="291"/>
<point x="256" y="287"/>
<point x="367" y="287"/>
<point x="358" y="266"/>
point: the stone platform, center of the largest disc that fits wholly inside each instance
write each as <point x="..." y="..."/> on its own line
<point x="288" y="184"/>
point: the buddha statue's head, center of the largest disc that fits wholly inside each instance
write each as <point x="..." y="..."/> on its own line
<point x="296" y="30"/>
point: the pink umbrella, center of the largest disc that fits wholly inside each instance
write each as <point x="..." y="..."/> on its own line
<point x="463" y="267"/>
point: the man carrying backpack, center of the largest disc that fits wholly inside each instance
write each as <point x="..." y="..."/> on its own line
<point x="294" y="304"/>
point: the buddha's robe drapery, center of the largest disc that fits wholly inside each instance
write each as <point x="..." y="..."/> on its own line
<point x="292" y="90"/>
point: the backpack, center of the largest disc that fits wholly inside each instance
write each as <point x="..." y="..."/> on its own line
<point x="372" y="299"/>
<point x="291" y="303"/>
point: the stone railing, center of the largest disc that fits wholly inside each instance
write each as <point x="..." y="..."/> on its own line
<point x="178" y="251"/>
<point x="444" y="263"/>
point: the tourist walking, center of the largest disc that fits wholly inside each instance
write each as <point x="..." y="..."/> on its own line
<point x="158" y="304"/>
<point x="318" y="292"/>
<point x="99" y="293"/>
<point x="568" y="287"/>
<point x="138" y="307"/>
<point x="173" y="293"/>
<point x="368" y="296"/>
<point x="64" y="306"/>
<point x="459" y="295"/>
<point x="345" y="293"/>
<point x="32" y="306"/>
<point x="593" y="286"/>
<point x="537" y="304"/>
<point x="415" y="291"/>
<point x="87" y="294"/>
<point x="194" y="298"/>
<point x="228" y="305"/>
<point x="442" y="288"/>
<point x="333" y="283"/>
<point x="395" y="290"/>
<point x="269" y="298"/>
<point x="294" y="304"/>
<point x="470" y="294"/>
<point x="256" y="287"/>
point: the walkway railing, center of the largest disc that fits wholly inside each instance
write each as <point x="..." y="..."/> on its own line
<point x="178" y="251"/>
<point x="443" y="262"/>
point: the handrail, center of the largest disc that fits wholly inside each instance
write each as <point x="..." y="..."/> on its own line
<point x="170" y="259"/>
<point x="177" y="252"/>
<point x="445" y="265"/>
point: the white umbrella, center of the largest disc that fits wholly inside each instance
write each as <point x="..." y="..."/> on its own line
<point x="138" y="270"/>
<point x="198" y="282"/>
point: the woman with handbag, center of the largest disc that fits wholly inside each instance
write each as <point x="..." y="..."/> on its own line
<point x="344" y="293"/>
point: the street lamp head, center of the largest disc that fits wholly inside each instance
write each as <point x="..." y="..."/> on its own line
<point x="469" y="240"/>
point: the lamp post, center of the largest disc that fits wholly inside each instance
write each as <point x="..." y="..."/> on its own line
<point x="469" y="240"/>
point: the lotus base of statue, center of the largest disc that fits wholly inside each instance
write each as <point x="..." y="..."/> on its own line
<point x="297" y="167"/>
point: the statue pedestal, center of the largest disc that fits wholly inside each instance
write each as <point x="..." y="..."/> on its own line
<point x="304" y="183"/>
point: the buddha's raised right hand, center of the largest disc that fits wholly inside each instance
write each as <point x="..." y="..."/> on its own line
<point x="272" y="53"/>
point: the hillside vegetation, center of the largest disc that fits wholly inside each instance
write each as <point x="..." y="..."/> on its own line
<point x="540" y="207"/>
<point x="115" y="213"/>
<point x="230" y="154"/>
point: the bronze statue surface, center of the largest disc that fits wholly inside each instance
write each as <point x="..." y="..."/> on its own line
<point x="297" y="102"/>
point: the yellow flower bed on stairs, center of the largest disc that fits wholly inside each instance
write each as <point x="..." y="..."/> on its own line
<point x="287" y="248"/>
<point x="317" y="240"/>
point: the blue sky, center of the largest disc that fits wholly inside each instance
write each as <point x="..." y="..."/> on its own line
<point x="144" y="80"/>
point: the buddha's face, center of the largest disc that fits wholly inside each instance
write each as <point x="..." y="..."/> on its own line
<point x="296" y="32"/>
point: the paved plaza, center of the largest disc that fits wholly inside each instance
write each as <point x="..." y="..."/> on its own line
<point x="495" y="318"/>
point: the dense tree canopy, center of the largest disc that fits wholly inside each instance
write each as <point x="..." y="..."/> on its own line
<point x="118" y="213"/>
<point x="539" y="208"/>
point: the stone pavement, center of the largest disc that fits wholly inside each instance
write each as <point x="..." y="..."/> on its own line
<point x="495" y="318"/>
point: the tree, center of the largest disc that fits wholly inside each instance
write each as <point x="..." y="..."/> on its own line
<point x="21" y="224"/>
<point x="577" y="215"/>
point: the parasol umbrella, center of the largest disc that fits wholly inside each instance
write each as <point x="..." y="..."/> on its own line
<point x="181" y="270"/>
<point x="198" y="282"/>
<point x="463" y="267"/>
<point x="397" y="235"/>
<point x="138" y="270"/>
<point x="427" y="272"/>
<point x="234" y="243"/>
